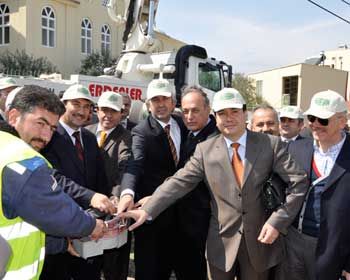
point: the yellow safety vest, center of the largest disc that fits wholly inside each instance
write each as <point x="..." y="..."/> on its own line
<point x="26" y="241"/>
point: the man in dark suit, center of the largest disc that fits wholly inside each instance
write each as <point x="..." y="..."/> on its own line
<point x="234" y="165"/>
<point x="318" y="242"/>
<point x="115" y="143"/>
<point x="156" y="143"/>
<point x="291" y="122"/>
<point x="74" y="152"/>
<point x="193" y="210"/>
<point x="125" y="121"/>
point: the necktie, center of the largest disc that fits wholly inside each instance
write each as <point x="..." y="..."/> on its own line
<point x="237" y="164"/>
<point x="78" y="145"/>
<point x="171" y="143"/>
<point x="103" y="138"/>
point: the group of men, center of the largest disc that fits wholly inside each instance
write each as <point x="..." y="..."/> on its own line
<point x="194" y="182"/>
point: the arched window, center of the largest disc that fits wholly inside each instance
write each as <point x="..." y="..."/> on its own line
<point x="4" y="24"/>
<point x="48" y="27"/>
<point x="86" y="36"/>
<point x="105" y="38"/>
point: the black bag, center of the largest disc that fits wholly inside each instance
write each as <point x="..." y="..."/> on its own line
<point x="273" y="193"/>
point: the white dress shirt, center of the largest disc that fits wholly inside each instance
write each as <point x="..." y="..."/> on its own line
<point x="242" y="141"/>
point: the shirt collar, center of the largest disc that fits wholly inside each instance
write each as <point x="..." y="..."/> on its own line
<point x="284" y="139"/>
<point x="67" y="128"/>
<point x="195" y="133"/>
<point x="242" y="141"/>
<point x="163" y="124"/>
<point x="333" y="148"/>
<point x="100" y="129"/>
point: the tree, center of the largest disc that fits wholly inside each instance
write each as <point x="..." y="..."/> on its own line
<point x="94" y="63"/>
<point x="20" y="63"/>
<point x="245" y="86"/>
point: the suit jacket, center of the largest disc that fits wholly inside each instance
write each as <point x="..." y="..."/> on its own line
<point x="234" y="208"/>
<point x="61" y="153"/>
<point x="116" y="151"/>
<point x="129" y="124"/>
<point x="152" y="160"/>
<point x="333" y="247"/>
<point x="195" y="204"/>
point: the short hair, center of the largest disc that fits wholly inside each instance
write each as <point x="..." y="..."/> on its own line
<point x="198" y="90"/>
<point x="30" y="97"/>
<point x="266" y="107"/>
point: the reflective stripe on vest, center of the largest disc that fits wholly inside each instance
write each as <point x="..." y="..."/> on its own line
<point x="26" y="241"/>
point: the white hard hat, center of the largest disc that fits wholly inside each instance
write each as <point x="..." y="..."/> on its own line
<point x="228" y="98"/>
<point x="111" y="99"/>
<point x="77" y="91"/>
<point x="160" y="87"/>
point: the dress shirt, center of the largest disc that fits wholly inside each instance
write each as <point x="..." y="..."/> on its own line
<point x="70" y="132"/>
<point x="287" y="140"/>
<point x="175" y="133"/>
<point x="325" y="160"/>
<point x="241" y="149"/>
<point x="100" y="129"/>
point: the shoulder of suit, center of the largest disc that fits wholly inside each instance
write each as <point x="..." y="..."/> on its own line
<point x="91" y="127"/>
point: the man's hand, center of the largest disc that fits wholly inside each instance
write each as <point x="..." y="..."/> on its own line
<point x="71" y="250"/>
<point x="126" y="202"/>
<point x="346" y="275"/>
<point x="99" y="230"/>
<point x="142" y="201"/>
<point x="102" y="203"/>
<point x="140" y="216"/>
<point x="268" y="234"/>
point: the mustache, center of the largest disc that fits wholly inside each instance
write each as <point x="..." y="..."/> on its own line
<point x="37" y="139"/>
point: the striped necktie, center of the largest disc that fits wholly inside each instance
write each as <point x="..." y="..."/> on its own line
<point x="171" y="143"/>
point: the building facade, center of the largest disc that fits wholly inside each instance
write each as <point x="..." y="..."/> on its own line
<point x="64" y="31"/>
<point x="296" y="84"/>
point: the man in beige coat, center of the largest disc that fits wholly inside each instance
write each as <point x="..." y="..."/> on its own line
<point x="241" y="233"/>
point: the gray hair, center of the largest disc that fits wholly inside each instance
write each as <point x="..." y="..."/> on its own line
<point x="198" y="90"/>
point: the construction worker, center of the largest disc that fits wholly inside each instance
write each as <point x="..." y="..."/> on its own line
<point x="32" y="202"/>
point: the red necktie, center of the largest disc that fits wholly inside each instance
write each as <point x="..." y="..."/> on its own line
<point x="237" y="165"/>
<point x="171" y="143"/>
<point x="78" y="145"/>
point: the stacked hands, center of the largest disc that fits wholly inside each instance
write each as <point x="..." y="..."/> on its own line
<point x="268" y="233"/>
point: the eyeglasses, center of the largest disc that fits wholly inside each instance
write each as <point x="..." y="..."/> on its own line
<point x="312" y="119"/>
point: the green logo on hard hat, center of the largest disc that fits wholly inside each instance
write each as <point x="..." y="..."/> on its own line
<point x="227" y="96"/>
<point x="322" y="102"/>
<point x="290" y="109"/>
<point x="113" y="98"/>
<point x="160" y="85"/>
<point x="84" y="91"/>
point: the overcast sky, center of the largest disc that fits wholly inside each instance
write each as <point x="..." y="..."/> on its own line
<point x="256" y="35"/>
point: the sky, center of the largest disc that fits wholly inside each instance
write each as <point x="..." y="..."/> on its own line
<point x="256" y="35"/>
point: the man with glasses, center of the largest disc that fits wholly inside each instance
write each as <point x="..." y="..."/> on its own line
<point x="318" y="242"/>
<point x="291" y="122"/>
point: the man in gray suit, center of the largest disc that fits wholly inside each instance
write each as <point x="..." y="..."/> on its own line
<point x="241" y="233"/>
<point x="115" y="143"/>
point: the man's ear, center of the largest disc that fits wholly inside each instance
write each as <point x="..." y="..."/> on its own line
<point x="14" y="116"/>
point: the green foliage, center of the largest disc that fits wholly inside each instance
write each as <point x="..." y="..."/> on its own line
<point x="94" y="63"/>
<point x="20" y="63"/>
<point x="246" y="87"/>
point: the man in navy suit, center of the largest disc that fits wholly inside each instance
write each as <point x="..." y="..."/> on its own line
<point x="156" y="143"/>
<point x="318" y="242"/>
<point x="74" y="152"/>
